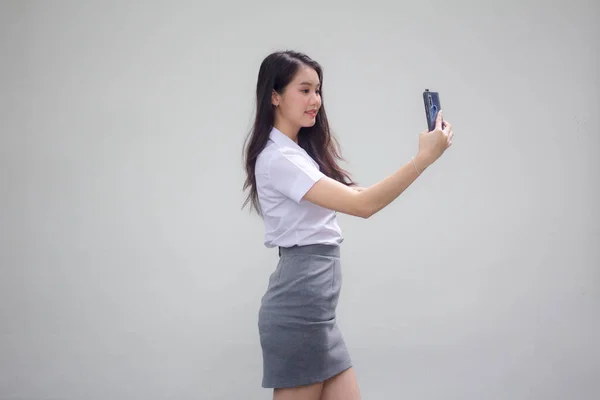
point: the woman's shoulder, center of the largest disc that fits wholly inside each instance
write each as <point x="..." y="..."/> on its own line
<point x="273" y="154"/>
<point x="264" y="158"/>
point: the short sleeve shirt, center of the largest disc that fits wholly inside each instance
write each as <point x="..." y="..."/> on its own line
<point x="285" y="172"/>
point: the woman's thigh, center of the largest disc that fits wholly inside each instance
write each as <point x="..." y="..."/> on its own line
<point x="342" y="386"/>
<point x="310" y="392"/>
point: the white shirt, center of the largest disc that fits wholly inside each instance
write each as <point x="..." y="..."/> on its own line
<point x="284" y="173"/>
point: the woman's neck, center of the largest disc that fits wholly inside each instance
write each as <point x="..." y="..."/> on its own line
<point x="287" y="130"/>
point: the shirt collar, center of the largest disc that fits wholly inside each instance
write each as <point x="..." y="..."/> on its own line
<point x="282" y="139"/>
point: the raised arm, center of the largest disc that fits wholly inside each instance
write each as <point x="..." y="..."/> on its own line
<point x="364" y="203"/>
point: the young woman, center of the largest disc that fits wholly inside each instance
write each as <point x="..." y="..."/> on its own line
<point x="297" y="187"/>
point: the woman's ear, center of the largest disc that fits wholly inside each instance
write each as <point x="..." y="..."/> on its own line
<point x="275" y="98"/>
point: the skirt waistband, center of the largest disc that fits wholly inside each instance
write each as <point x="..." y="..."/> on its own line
<point x="328" y="250"/>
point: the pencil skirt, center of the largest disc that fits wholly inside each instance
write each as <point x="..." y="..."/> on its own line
<point x="299" y="336"/>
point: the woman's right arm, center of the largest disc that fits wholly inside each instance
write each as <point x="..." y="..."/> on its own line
<point x="336" y="196"/>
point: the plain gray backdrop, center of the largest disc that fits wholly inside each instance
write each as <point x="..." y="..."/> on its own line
<point x="129" y="271"/>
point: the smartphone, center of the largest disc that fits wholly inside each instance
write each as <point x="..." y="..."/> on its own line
<point x="432" y="107"/>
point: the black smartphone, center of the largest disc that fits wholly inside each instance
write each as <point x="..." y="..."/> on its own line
<point x="432" y="107"/>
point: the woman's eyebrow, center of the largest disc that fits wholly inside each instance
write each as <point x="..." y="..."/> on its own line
<point x="309" y="83"/>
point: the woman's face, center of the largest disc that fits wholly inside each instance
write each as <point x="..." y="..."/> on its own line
<point x="300" y="101"/>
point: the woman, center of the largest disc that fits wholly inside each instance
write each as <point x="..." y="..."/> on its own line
<point x="297" y="187"/>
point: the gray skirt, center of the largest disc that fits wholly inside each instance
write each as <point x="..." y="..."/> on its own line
<point x="300" y="339"/>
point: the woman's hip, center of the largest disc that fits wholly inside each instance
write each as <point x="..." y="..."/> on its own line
<point x="305" y="285"/>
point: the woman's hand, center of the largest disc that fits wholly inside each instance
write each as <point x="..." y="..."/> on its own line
<point x="432" y="144"/>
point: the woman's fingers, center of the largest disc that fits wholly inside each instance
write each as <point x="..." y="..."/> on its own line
<point x="447" y="127"/>
<point x="438" y="120"/>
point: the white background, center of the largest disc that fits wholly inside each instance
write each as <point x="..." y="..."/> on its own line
<point x="129" y="271"/>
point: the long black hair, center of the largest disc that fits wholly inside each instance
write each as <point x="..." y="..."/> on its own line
<point x="276" y="71"/>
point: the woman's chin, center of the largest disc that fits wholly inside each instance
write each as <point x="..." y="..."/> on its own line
<point x="307" y="123"/>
